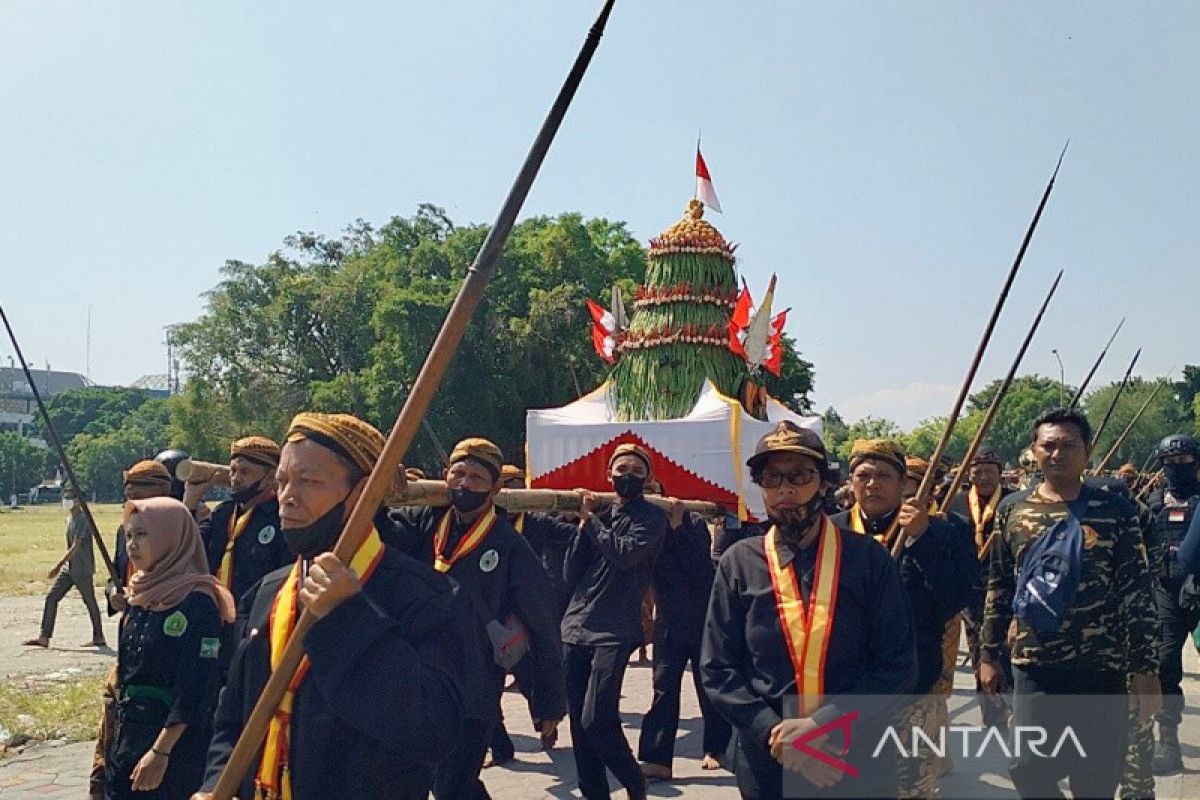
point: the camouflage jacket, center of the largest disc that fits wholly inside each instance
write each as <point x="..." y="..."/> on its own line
<point x="1112" y="623"/>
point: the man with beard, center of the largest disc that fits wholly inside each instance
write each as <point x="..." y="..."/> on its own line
<point x="1171" y="509"/>
<point x="609" y="567"/>
<point x="978" y="504"/>
<point x="242" y="536"/>
<point x="376" y="703"/>
<point x="498" y="576"/>
<point x="1098" y="640"/>
<point x="936" y="569"/>
<point x="806" y="587"/>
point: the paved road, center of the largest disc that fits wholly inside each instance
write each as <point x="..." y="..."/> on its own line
<point x="58" y="772"/>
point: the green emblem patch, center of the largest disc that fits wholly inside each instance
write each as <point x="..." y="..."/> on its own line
<point x="175" y="624"/>
<point x="266" y="535"/>
<point x="209" y="648"/>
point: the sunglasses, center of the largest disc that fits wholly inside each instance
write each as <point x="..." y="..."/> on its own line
<point x="803" y="477"/>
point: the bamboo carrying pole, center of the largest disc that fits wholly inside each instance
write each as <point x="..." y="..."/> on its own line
<point x="52" y="434"/>
<point x="922" y="496"/>
<point x="194" y="471"/>
<point x="1112" y="451"/>
<point x="516" y="501"/>
<point x="990" y="416"/>
<point x="1088" y="378"/>
<point x="415" y="406"/>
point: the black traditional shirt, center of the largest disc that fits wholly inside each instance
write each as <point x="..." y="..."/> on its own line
<point x="745" y="663"/>
<point x="381" y="704"/>
<point x="609" y="567"/>
<point x="259" y="550"/>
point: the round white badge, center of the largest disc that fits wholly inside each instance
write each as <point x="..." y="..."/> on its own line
<point x="266" y="535"/>
<point x="489" y="561"/>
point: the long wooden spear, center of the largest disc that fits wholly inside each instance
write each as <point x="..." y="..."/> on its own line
<point x="52" y="435"/>
<point x="990" y="416"/>
<point x="415" y="406"/>
<point x="1116" y="397"/>
<point x="1112" y="451"/>
<point x="1088" y="379"/>
<point x="922" y="496"/>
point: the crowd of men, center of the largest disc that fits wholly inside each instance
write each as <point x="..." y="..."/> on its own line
<point x="854" y="586"/>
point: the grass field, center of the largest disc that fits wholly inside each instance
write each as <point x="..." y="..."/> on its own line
<point x="33" y="539"/>
<point x="58" y="710"/>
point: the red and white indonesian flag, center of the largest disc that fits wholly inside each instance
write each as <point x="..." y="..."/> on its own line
<point x="740" y="321"/>
<point x="704" y="185"/>
<point x="604" y="331"/>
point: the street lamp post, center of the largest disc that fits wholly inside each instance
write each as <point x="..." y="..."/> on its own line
<point x="1062" y="379"/>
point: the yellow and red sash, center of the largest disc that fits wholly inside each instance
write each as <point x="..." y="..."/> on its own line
<point x="237" y="526"/>
<point x="856" y="525"/>
<point x="519" y="525"/>
<point x="273" y="781"/>
<point x="981" y="516"/>
<point x="807" y="632"/>
<point x="476" y="534"/>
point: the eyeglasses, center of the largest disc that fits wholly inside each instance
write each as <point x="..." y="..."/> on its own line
<point x="773" y="480"/>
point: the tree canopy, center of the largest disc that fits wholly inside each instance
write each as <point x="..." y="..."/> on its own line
<point x="344" y="324"/>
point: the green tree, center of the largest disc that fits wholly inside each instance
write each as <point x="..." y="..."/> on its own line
<point x="923" y="439"/>
<point x="345" y="324"/>
<point x="867" y="428"/>
<point x="836" y="430"/>
<point x="1028" y="397"/>
<point x="99" y="459"/>
<point x="22" y="465"/>
<point x="1165" y="415"/>
<point x="94" y="410"/>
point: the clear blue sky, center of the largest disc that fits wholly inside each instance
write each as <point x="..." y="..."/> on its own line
<point x="883" y="158"/>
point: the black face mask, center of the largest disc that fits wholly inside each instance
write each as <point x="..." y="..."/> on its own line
<point x="246" y="495"/>
<point x="312" y="540"/>
<point x="467" y="500"/>
<point x="1181" y="478"/>
<point x="629" y="486"/>
<point x="794" y="524"/>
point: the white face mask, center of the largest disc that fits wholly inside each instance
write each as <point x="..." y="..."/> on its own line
<point x="68" y="503"/>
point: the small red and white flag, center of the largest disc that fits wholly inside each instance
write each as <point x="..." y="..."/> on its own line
<point x="773" y="362"/>
<point x="704" y="185"/>
<point x="740" y="321"/>
<point x="604" y="331"/>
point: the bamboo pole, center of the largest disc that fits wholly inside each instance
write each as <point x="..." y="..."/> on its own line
<point x="415" y="406"/>
<point x="990" y="416"/>
<point x="517" y="501"/>
<point x="922" y="496"/>
<point x="52" y="435"/>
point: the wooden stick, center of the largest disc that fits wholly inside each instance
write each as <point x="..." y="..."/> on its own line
<point x="922" y="496"/>
<point x="415" y="405"/>
<point x="1112" y="451"/>
<point x="517" y="501"/>
<point x="1088" y="379"/>
<point x="990" y="416"/>
<point x="52" y="434"/>
<point x="1113" y="404"/>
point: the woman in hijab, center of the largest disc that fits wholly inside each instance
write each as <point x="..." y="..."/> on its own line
<point x="167" y="659"/>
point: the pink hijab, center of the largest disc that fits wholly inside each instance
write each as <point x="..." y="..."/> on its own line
<point x="184" y="568"/>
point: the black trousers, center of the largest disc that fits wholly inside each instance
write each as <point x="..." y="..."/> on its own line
<point x="457" y="776"/>
<point x="501" y="744"/>
<point x="594" y="677"/>
<point x="1096" y="710"/>
<point x="1175" y="626"/>
<point x="661" y="723"/>
<point x="62" y="585"/>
